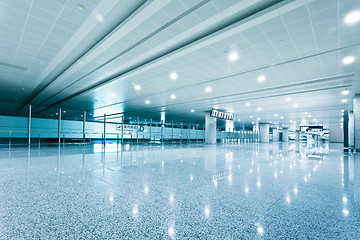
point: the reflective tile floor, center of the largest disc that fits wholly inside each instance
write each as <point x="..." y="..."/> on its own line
<point x="227" y="191"/>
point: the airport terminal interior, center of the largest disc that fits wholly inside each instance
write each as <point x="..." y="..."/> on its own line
<point x="179" y="119"/>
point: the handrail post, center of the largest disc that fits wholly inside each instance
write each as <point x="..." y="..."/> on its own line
<point x="29" y="126"/>
<point x="10" y="139"/>
<point x="137" y="130"/>
<point x="150" y="128"/>
<point x="84" y="121"/>
<point x="172" y="131"/>
<point x="59" y="127"/>
<point x="104" y="137"/>
<point x="122" y="129"/>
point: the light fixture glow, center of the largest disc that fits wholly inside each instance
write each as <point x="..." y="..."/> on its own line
<point x="207" y="211"/>
<point x="261" y="78"/>
<point x="137" y="87"/>
<point x="147" y="101"/>
<point x="113" y="95"/>
<point x="208" y="89"/>
<point x="173" y="75"/>
<point x="296" y="105"/>
<point x="348" y="60"/>
<point x="344" y="100"/>
<point x="352" y="17"/>
<point x="192" y="110"/>
<point x="233" y="56"/>
<point x="288" y="99"/>
<point x="260" y="230"/>
<point x="247" y="104"/>
<point x="345" y="92"/>
<point x="259" y="108"/>
<point x="173" y="96"/>
<point x="171" y="231"/>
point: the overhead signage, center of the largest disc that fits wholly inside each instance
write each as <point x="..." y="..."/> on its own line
<point x="222" y="115"/>
<point x="311" y="128"/>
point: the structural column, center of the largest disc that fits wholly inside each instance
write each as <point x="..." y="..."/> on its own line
<point x="346" y="130"/>
<point x="210" y="129"/>
<point x="276" y="135"/>
<point x="264" y="132"/>
<point x="356" y="105"/>
<point x="351" y="129"/>
<point x="285" y="135"/>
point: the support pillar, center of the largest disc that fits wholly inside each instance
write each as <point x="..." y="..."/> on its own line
<point x="285" y="135"/>
<point x="264" y="132"/>
<point x="356" y="105"/>
<point x="210" y="129"/>
<point x="346" y="130"/>
<point x="276" y="135"/>
<point x="351" y="129"/>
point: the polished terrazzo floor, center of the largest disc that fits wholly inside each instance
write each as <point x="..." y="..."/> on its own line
<point x="224" y="191"/>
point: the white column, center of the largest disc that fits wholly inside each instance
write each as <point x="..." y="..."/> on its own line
<point x="264" y="132"/>
<point x="210" y="129"/>
<point x="351" y="129"/>
<point x="276" y="135"/>
<point x="357" y="122"/>
<point x="285" y="135"/>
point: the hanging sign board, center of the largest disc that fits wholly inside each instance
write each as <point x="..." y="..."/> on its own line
<point x="222" y="115"/>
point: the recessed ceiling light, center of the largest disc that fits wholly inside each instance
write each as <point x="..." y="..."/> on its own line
<point x="81" y="7"/>
<point x="137" y="87"/>
<point x="348" y="59"/>
<point x="276" y="115"/>
<point x="99" y="18"/>
<point x="309" y="115"/>
<point x="261" y="78"/>
<point x="344" y="100"/>
<point x="173" y="76"/>
<point x="239" y="120"/>
<point x="296" y="105"/>
<point x="113" y="95"/>
<point x="251" y="116"/>
<point x="305" y="113"/>
<point x="147" y="101"/>
<point x="259" y="119"/>
<point x="282" y="117"/>
<point x="352" y="17"/>
<point x="208" y="89"/>
<point x="259" y="108"/>
<point x="233" y="56"/>
<point x="192" y="110"/>
<point x="288" y="99"/>
<point x="345" y="92"/>
<point x="173" y="96"/>
<point x="247" y="104"/>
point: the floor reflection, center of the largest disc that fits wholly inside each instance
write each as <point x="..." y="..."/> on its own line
<point x="180" y="191"/>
